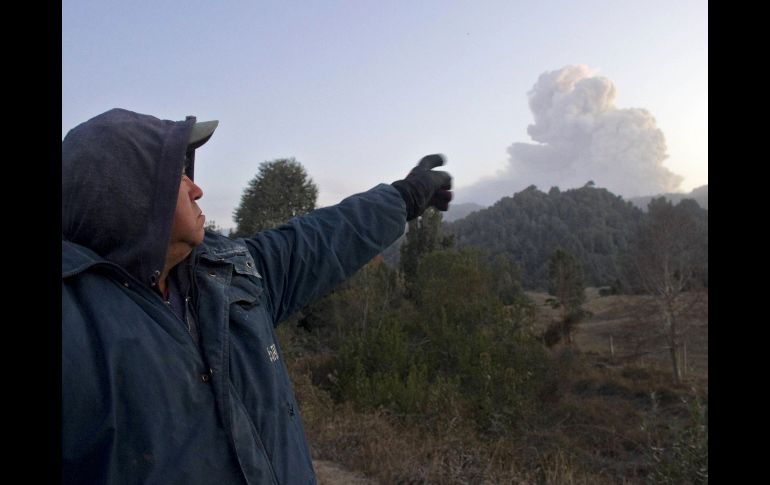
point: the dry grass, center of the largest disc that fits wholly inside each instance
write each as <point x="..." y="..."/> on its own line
<point x="594" y="433"/>
<point x="636" y="330"/>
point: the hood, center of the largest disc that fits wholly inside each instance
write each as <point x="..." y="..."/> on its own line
<point x="120" y="180"/>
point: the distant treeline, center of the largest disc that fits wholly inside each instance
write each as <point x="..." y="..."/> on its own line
<point x="592" y="224"/>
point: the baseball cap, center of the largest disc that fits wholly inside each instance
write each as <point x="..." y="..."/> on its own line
<point x="201" y="133"/>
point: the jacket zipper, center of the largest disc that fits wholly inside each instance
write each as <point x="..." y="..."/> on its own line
<point x="195" y="334"/>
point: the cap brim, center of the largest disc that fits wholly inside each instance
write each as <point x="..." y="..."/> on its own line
<point x="201" y="133"/>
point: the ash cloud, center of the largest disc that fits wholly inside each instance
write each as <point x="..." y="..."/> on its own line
<point x="581" y="135"/>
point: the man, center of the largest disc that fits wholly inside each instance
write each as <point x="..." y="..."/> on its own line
<point x="171" y="370"/>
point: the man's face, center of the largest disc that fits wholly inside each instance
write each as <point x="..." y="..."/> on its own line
<point x="188" y="217"/>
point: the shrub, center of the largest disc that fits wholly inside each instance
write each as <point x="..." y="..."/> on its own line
<point x="457" y="351"/>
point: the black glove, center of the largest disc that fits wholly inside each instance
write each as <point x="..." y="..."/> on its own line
<point x="424" y="187"/>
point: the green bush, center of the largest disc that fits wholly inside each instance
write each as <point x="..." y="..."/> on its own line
<point x="457" y="350"/>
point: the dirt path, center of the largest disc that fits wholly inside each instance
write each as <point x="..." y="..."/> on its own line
<point x="329" y="473"/>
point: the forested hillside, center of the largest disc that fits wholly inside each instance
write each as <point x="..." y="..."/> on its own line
<point x="590" y="223"/>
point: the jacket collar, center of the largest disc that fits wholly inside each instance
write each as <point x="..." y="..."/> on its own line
<point x="76" y="258"/>
<point x="219" y="249"/>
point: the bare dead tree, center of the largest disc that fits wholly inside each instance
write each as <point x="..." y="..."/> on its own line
<point x="667" y="261"/>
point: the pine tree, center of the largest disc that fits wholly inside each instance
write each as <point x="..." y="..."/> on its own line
<point x="423" y="235"/>
<point x="280" y="190"/>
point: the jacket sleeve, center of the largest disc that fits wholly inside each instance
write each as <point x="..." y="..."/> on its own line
<point x="306" y="258"/>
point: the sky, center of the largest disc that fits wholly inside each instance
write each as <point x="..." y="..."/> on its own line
<point x="513" y="93"/>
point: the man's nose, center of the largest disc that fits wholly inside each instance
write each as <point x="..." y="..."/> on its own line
<point x="196" y="192"/>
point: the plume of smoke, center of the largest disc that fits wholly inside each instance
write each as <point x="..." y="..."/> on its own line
<point x="582" y="136"/>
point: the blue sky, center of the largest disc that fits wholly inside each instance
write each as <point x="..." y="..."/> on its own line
<point x="358" y="91"/>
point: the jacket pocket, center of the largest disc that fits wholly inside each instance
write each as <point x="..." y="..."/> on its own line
<point x="245" y="286"/>
<point x="245" y="291"/>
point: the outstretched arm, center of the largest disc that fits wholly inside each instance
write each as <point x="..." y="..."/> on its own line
<point x="306" y="258"/>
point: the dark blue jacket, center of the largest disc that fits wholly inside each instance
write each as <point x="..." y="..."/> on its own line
<point x="142" y="403"/>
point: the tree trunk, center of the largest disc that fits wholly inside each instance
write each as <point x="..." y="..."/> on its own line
<point x="612" y="348"/>
<point x="673" y="343"/>
<point x="675" y="364"/>
<point x="566" y="335"/>
<point x="684" y="359"/>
